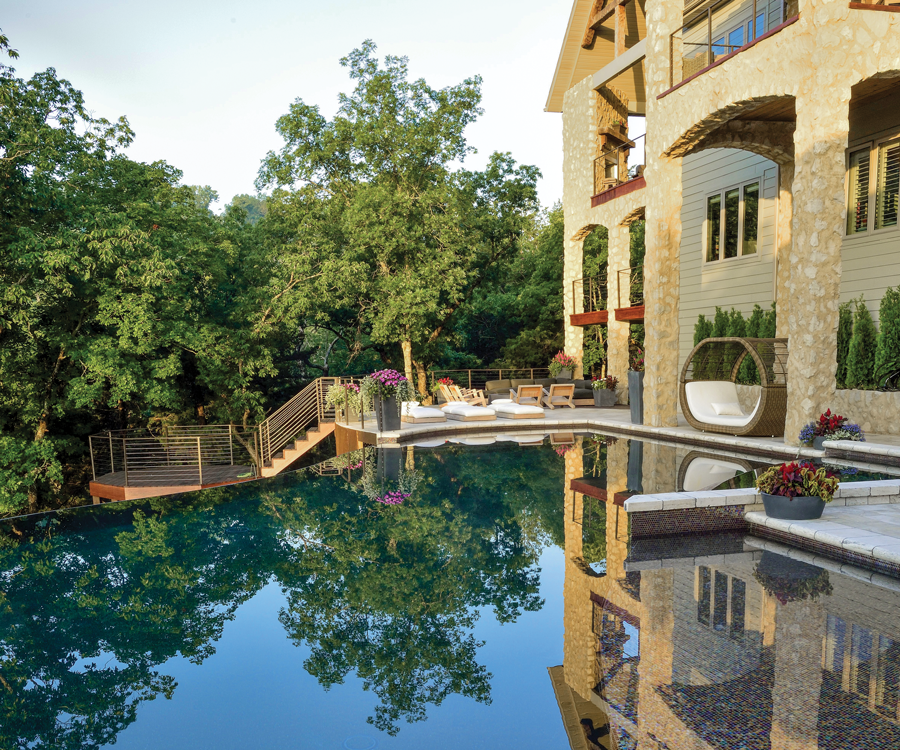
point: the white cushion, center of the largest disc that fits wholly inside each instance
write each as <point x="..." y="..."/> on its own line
<point x="732" y="409"/>
<point x="502" y="401"/>
<point x="422" y="412"/>
<point x="513" y="408"/>
<point x="409" y="405"/>
<point x="461" y="409"/>
<point x="701" y="394"/>
<point x="703" y="473"/>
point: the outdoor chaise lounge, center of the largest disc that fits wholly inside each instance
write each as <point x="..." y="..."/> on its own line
<point x="463" y="412"/>
<point x="509" y="409"/>
<point x="414" y="413"/>
<point x="470" y="396"/>
<point x="709" y="394"/>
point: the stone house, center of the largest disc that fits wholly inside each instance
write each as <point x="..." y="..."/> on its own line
<point x="771" y="173"/>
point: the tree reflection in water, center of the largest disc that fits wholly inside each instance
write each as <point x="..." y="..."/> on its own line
<point x="96" y="600"/>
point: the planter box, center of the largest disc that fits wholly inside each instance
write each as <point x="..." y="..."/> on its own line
<point x="604" y="398"/>
<point x="636" y="396"/>
<point x="387" y="414"/>
<point x="793" y="509"/>
<point x="564" y="375"/>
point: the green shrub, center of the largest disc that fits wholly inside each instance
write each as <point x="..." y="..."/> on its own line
<point x="737" y="326"/>
<point x="748" y="373"/>
<point x="863" y="342"/>
<point x="887" y="352"/>
<point x="720" y="323"/>
<point x="703" y="329"/>
<point x="844" y="332"/>
<point x="769" y="324"/>
<point x="754" y="324"/>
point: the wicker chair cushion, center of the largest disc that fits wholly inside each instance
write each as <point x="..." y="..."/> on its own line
<point x="731" y="409"/>
<point x="704" y="473"/>
<point x="702" y="393"/>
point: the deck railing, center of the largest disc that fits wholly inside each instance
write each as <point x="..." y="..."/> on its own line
<point x="189" y="455"/>
<point x="631" y="280"/>
<point x="593" y="292"/>
<point x="477" y="378"/>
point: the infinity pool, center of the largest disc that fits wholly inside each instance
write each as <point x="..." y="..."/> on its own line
<point x="453" y="596"/>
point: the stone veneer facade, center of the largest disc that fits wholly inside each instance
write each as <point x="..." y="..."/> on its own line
<point x="813" y="63"/>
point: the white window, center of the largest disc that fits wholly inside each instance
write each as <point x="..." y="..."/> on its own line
<point x="873" y="179"/>
<point x="732" y="222"/>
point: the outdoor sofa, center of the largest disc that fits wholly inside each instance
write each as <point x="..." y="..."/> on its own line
<point x="499" y="389"/>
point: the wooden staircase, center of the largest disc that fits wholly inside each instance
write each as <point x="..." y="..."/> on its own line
<point x="293" y="451"/>
<point x="295" y="428"/>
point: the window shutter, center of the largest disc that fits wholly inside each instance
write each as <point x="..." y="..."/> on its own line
<point x="858" y="204"/>
<point x="887" y="195"/>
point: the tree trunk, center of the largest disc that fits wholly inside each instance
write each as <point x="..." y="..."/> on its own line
<point x="422" y="375"/>
<point x="406" y="346"/>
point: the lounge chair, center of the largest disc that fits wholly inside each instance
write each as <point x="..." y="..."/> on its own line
<point x="469" y="395"/>
<point x="463" y="412"/>
<point x="525" y="394"/>
<point x="512" y="410"/>
<point x="415" y="413"/>
<point x="560" y="395"/>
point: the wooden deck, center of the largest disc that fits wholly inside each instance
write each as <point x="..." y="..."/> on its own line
<point x="165" y="481"/>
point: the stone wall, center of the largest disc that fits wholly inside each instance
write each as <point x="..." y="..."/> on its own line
<point x="877" y="412"/>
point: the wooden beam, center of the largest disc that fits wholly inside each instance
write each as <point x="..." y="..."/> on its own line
<point x="589" y="32"/>
<point x="601" y="11"/>
<point x="621" y="29"/>
<point x="606" y="13"/>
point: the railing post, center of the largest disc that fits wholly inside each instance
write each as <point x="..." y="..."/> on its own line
<point x="709" y="52"/>
<point x="91" y="449"/>
<point x="231" y="445"/>
<point x="125" y="457"/>
<point x="112" y="459"/>
<point x="199" y="460"/>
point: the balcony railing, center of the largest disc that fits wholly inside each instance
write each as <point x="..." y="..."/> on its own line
<point x="593" y="292"/>
<point x="613" y="166"/>
<point x="713" y="32"/>
<point x="631" y="287"/>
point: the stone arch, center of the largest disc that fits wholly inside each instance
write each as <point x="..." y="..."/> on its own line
<point x="632" y="216"/>
<point x="582" y="233"/>
<point x="736" y="126"/>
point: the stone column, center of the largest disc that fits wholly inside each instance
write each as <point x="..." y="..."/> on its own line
<point x="579" y="119"/>
<point x="618" y="333"/>
<point x="820" y="142"/>
<point x="799" y="634"/>
<point x="663" y="238"/>
<point x="783" y="250"/>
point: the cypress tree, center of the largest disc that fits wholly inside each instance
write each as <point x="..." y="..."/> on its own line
<point x="755" y="323"/>
<point x="720" y="323"/>
<point x="844" y="332"/>
<point x="703" y="329"/>
<point x="887" y="353"/>
<point x="861" y="358"/>
<point x="769" y="324"/>
<point x="749" y="373"/>
<point x="736" y="324"/>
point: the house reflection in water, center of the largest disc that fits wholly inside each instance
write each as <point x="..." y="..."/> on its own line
<point x="688" y="656"/>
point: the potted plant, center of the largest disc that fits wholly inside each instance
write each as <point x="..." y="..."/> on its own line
<point x="636" y="386"/>
<point x="436" y="386"/>
<point x="605" y="391"/>
<point x="344" y="398"/>
<point x="386" y="389"/>
<point x="562" y="366"/>
<point x="796" y="491"/>
<point x="829" y="427"/>
<point x="385" y="480"/>
<point x="791" y="580"/>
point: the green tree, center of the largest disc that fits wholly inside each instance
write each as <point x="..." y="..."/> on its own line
<point x="887" y="354"/>
<point x="703" y="329"/>
<point x="720" y="323"/>
<point x="373" y="219"/>
<point x="767" y="328"/>
<point x="844" y="333"/>
<point x="863" y="342"/>
<point x="254" y="207"/>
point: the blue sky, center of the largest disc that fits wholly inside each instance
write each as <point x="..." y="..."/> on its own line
<point x="202" y="82"/>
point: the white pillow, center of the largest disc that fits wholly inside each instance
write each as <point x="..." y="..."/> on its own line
<point x="732" y="409"/>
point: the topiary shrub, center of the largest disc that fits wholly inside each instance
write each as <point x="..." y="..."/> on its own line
<point x="720" y="323"/>
<point x="769" y="324"/>
<point x="887" y="351"/>
<point x="844" y="332"/>
<point x="703" y="329"/>
<point x="863" y="342"/>
<point x="748" y="373"/>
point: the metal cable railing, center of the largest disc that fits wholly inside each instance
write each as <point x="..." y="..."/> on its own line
<point x="631" y="280"/>
<point x="613" y="167"/>
<point x="478" y="378"/>
<point x="593" y="291"/>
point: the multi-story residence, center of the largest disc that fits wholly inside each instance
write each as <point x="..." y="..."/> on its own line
<point x="771" y="174"/>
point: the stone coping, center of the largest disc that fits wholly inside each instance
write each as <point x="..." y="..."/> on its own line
<point x="879" y="492"/>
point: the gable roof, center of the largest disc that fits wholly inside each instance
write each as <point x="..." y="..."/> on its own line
<point x="576" y="63"/>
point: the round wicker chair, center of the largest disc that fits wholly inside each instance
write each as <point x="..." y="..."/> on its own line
<point x="708" y="383"/>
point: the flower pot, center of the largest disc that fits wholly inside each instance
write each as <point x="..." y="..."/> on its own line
<point x="819" y="443"/>
<point x="604" y="398"/>
<point x="387" y="414"/>
<point x="564" y="375"/>
<point x="793" y="509"/>
<point x="636" y="396"/>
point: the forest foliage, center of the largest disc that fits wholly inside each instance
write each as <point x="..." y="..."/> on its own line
<point x="125" y="302"/>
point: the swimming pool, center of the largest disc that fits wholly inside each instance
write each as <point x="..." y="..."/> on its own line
<point x="492" y="607"/>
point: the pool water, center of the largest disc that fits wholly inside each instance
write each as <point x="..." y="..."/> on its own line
<point x="491" y="607"/>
